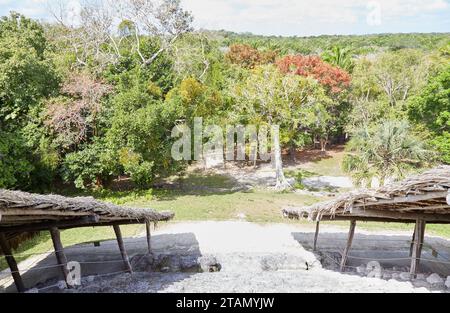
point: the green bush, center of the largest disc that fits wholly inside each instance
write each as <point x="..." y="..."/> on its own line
<point x="15" y="167"/>
<point x="90" y="167"/>
<point x="431" y="109"/>
<point x="140" y="171"/>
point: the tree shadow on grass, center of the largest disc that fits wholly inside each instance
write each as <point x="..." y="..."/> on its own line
<point x="305" y="156"/>
<point x="197" y="183"/>
<point x="201" y="184"/>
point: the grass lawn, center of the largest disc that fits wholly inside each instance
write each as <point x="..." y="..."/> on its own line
<point x="329" y="164"/>
<point x="258" y="206"/>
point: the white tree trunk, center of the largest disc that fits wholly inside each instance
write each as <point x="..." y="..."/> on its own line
<point x="282" y="183"/>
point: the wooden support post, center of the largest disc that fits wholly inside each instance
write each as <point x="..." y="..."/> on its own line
<point x="422" y="236"/>
<point x="4" y="245"/>
<point x="122" y="248"/>
<point x="411" y="247"/>
<point x="351" y="234"/>
<point x="59" y="253"/>
<point x="316" y="236"/>
<point x="149" y="236"/>
<point x="418" y="243"/>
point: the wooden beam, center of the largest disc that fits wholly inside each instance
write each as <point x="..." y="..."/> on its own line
<point x="149" y="236"/>
<point x="59" y="253"/>
<point x="375" y="219"/>
<point x="19" y="219"/>
<point x="64" y="224"/>
<point x="110" y="223"/>
<point x="316" y="236"/>
<point x="399" y="215"/>
<point x="364" y="219"/>
<point x="383" y="215"/>
<point x="4" y="245"/>
<point x="418" y="243"/>
<point x="29" y="212"/>
<point x="425" y="207"/>
<point x="351" y="234"/>
<point x="122" y="248"/>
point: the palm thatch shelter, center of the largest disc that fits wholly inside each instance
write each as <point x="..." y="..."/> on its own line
<point x="23" y="214"/>
<point x="419" y="199"/>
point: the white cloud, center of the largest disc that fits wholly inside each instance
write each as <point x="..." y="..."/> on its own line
<point x="301" y="17"/>
<point x="234" y="14"/>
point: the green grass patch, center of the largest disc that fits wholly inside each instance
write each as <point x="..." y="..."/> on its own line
<point x="260" y="206"/>
<point x="299" y="175"/>
<point x="195" y="180"/>
<point x="330" y="165"/>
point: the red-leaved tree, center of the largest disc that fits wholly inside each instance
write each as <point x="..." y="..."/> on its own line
<point x="334" y="79"/>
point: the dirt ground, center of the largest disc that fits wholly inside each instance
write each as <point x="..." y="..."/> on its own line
<point x="251" y="258"/>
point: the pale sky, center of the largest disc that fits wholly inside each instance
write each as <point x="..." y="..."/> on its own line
<point x="296" y="17"/>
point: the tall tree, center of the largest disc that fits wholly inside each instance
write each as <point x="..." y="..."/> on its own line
<point x="96" y="39"/>
<point x="164" y="19"/>
<point x="291" y="102"/>
<point x="431" y="109"/>
<point x="334" y="80"/>
<point x="400" y="74"/>
<point x="26" y="76"/>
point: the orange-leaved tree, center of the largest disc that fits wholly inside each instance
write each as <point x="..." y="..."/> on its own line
<point x="333" y="78"/>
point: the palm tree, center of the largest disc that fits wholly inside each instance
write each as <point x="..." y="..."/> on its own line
<point x="386" y="150"/>
<point x="339" y="57"/>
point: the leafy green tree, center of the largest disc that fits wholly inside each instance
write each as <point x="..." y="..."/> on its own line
<point x="269" y="97"/>
<point x="15" y="165"/>
<point x="335" y="82"/>
<point x="140" y="171"/>
<point x="142" y="126"/>
<point x="400" y="74"/>
<point x="90" y="166"/>
<point x="195" y="99"/>
<point x="26" y="76"/>
<point x="431" y="109"/>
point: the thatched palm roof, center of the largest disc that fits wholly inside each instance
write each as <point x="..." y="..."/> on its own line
<point x="20" y="209"/>
<point x="425" y="195"/>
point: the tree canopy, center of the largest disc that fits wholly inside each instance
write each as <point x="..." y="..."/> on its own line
<point x="88" y="103"/>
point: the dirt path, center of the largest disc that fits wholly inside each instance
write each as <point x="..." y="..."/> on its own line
<point x="253" y="258"/>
